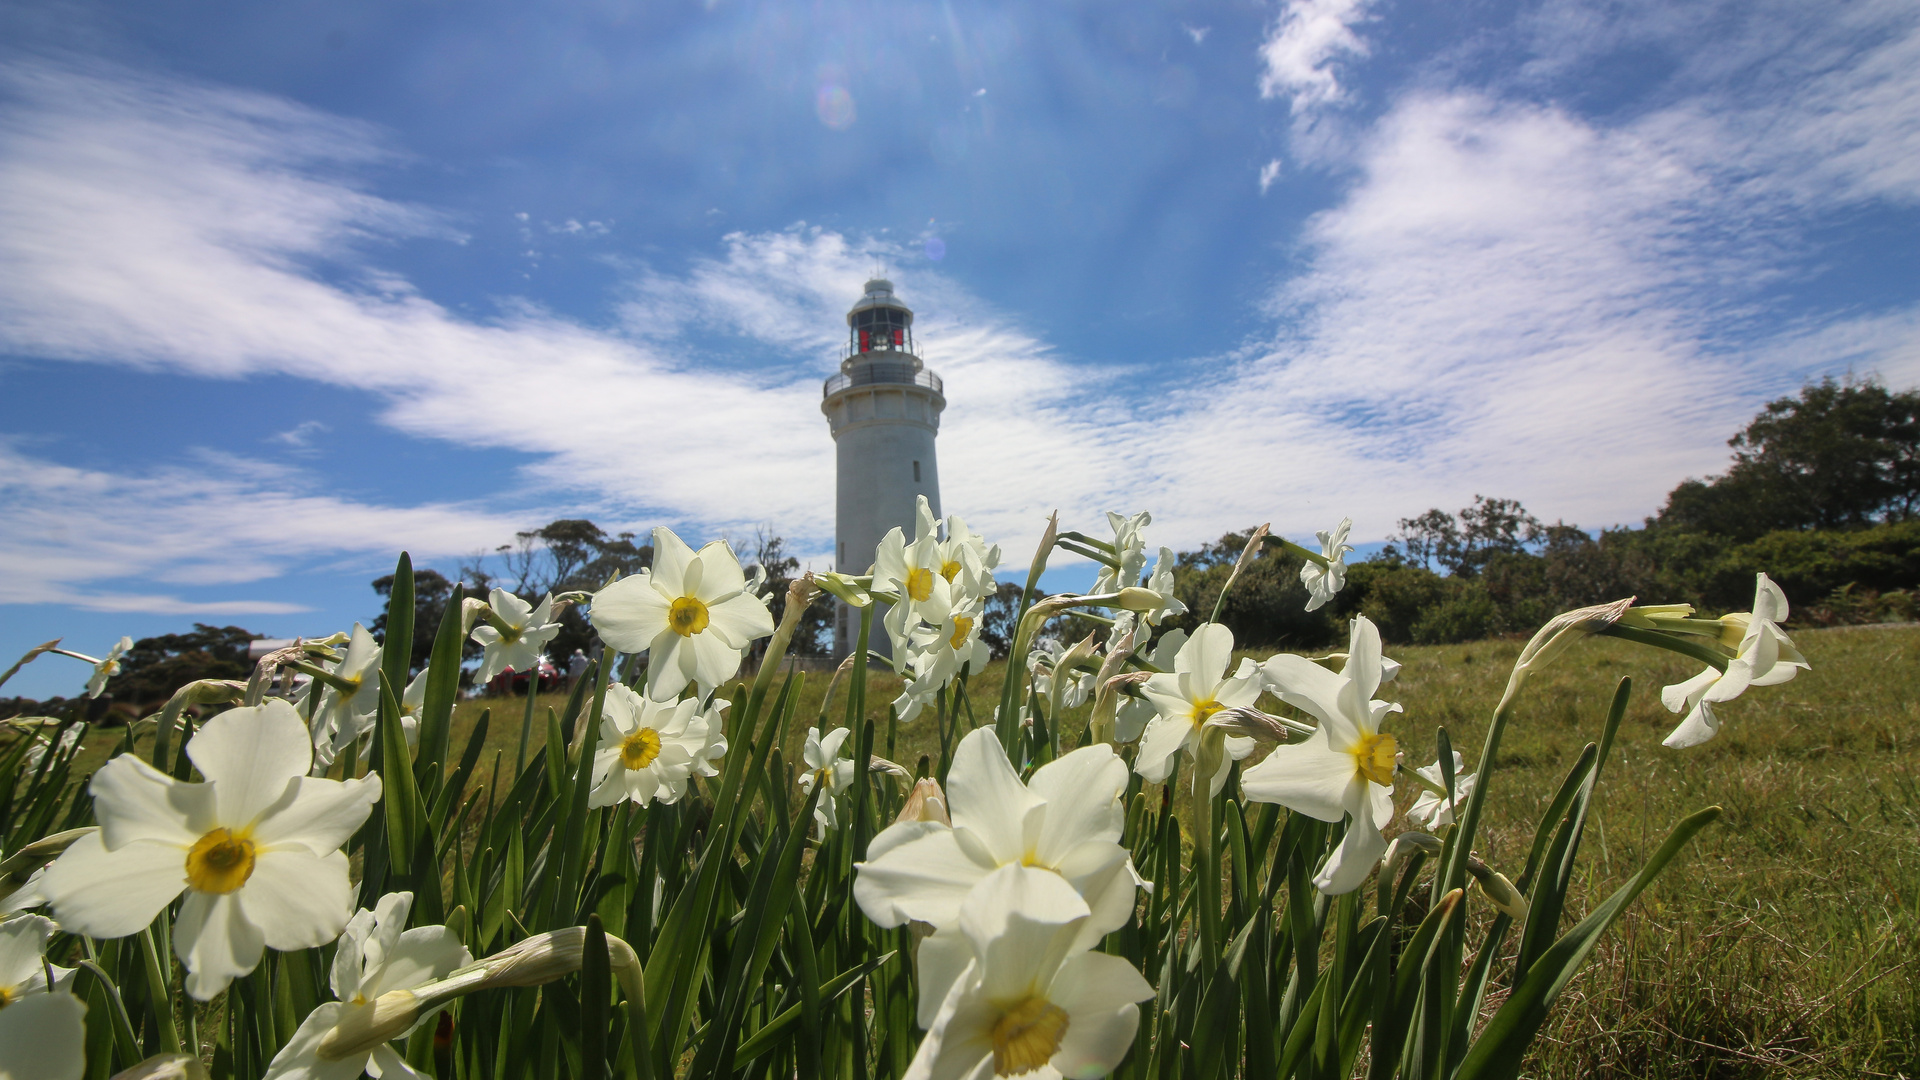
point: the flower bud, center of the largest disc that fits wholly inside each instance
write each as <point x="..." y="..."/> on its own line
<point x="926" y="803"/>
<point x="1404" y="847"/>
<point x="1497" y="889"/>
<point x="845" y="587"/>
<point x="1145" y="601"/>
<point x="366" y="1027"/>
<point x="1249" y="723"/>
<point x="1566" y="628"/>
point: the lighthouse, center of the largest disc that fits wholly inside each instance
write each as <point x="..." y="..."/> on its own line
<point x="884" y="411"/>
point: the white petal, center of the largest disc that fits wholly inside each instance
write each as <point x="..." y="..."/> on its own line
<point x="1696" y="727"/>
<point x="217" y="942"/>
<point x="300" y="1058"/>
<point x="1207" y="654"/>
<point x="423" y="954"/>
<point x="1676" y="696"/>
<point x="1083" y="791"/>
<point x="740" y="620"/>
<point x="23" y="940"/>
<point x="133" y="801"/>
<point x="110" y="894"/>
<point x="348" y="954"/>
<point x="1309" y="777"/>
<point x="1159" y="746"/>
<point x="939" y="962"/>
<point x="925" y="878"/>
<point x="249" y="755"/>
<point x="298" y="900"/>
<point x="985" y="796"/>
<point x="1098" y="993"/>
<point x="671" y="557"/>
<point x="1021" y="921"/>
<point x="1362" y="670"/>
<point x="720" y="573"/>
<point x="1359" y="852"/>
<point x="318" y="814"/>
<point x="1306" y="685"/>
<point x="387" y="1064"/>
<point x="715" y="661"/>
<point x="630" y="613"/>
<point x="43" y="1037"/>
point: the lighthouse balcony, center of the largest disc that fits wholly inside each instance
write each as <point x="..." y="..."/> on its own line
<point x="882" y="374"/>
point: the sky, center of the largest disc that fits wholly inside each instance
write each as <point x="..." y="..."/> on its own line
<point x="287" y="288"/>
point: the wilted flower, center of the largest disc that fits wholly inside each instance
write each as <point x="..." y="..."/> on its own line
<point x="515" y="633"/>
<point x="690" y="609"/>
<point x="1346" y="766"/>
<point x="1323" y="581"/>
<point x="1764" y="656"/>
<point x="376" y="955"/>
<point x="1187" y="697"/>
<point x="1430" y="809"/>
<point x="824" y="764"/>
<point x="1067" y="820"/>
<point x="1011" y="991"/>
<point x="256" y="848"/>
<point x="649" y="748"/>
<point x="43" y="1037"/>
<point x="107" y="668"/>
<point x="926" y="802"/>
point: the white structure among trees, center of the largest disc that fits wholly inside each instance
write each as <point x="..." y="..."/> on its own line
<point x="884" y="411"/>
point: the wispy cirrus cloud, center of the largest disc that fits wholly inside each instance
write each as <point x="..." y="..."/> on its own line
<point x="1304" y="45"/>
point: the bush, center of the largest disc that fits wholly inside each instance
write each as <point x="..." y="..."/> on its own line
<point x="1467" y="614"/>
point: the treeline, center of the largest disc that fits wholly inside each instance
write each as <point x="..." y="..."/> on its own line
<point x="1823" y="494"/>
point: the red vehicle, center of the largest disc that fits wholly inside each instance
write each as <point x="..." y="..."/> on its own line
<point x="515" y="682"/>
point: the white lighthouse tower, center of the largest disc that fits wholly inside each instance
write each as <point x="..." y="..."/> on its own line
<point x="884" y="411"/>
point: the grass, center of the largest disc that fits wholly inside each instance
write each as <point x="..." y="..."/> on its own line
<point x="1786" y="942"/>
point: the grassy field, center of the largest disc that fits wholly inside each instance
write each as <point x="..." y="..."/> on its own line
<point x="1786" y="942"/>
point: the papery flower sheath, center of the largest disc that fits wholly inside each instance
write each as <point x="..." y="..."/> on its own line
<point x="1067" y="820"/>
<point x="376" y="954"/>
<point x="1345" y="768"/>
<point x="691" y="612"/>
<point x="649" y="748"/>
<point x="255" y="849"/>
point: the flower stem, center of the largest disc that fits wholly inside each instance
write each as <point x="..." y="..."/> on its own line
<point x="159" y="995"/>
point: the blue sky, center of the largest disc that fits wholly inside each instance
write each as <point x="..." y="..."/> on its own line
<point x="287" y="287"/>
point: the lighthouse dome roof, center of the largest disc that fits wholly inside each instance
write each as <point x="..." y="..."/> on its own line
<point x="879" y="294"/>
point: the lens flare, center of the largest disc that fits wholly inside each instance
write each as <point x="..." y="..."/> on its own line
<point x="835" y="106"/>
<point x="936" y="248"/>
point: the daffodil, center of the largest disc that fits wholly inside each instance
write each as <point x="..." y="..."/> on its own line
<point x="1763" y="656"/>
<point x="412" y="703"/>
<point x="1067" y="819"/>
<point x="1345" y="768"/>
<point x="1063" y="670"/>
<point x="23" y="966"/>
<point x="68" y="739"/>
<point x="967" y="561"/>
<point x="514" y="634"/>
<point x="1186" y="697"/>
<point x="917" y="571"/>
<point x="346" y="714"/>
<point x="43" y="1037"/>
<point x="1430" y="809"/>
<point x="256" y="848"/>
<point x="107" y="668"/>
<point x="936" y="656"/>
<point x="649" y="748"/>
<point x="1323" y="581"/>
<point x="825" y="766"/>
<point x="1160" y="586"/>
<point x="691" y="610"/>
<point x="1134" y="713"/>
<point x="1016" y="994"/>
<point x="376" y="955"/>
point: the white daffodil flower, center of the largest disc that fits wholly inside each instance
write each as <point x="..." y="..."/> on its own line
<point x="1134" y="713"/>
<point x="412" y="704"/>
<point x="1185" y="698"/>
<point x="1066" y="820"/>
<point x="1160" y="584"/>
<point x="917" y="572"/>
<point x="376" y="955"/>
<point x="1323" y="582"/>
<point x="23" y="966"/>
<point x="1130" y="550"/>
<point x="967" y="561"/>
<point x="256" y="848"/>
<point x="1075" y="684"/>
<point x="1432" y="811"/>
<point x="43" y="1037"/>
<point x="824" y="763"/>
<point x="691" y="610"/>
<point x="107" y="668"/>
<point x="936" y="656"/>
<point x="1014" y="993"/>
<point x="36" y="753"/>
<point x="1763" y="656"/>
<point x="519" y="636"/>
<point x="1346" y="766"/>
<point x="344" y="716"/>
<point x="648" y="748"/>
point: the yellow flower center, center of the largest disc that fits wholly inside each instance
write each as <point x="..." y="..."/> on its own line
<point x="1374" y="757"/>
<point x="1204" y="711"/>
<point x="687" y="617"/>
<point x="919" y="583"/>
<point x="220" y="861"/>
<point x="6" y="996"/>
<point x="638" y="750"/>
<point x="962" y="626"/>
<point x="1027" y="1036"/>
<point x="950" y="569"/>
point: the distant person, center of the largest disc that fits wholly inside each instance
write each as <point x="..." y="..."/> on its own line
<point x="576" y="669"/>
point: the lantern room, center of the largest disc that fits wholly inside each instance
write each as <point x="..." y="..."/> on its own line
<point x="879" y="322"/>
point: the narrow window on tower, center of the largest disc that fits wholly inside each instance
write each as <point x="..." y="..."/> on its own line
<point x="916" y="472"/>
<point x="843" y="553"/>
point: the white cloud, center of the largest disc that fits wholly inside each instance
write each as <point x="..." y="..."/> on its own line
<point x="101" y="541"/>
<point x="1268" y="174"/>
<point x="300" y="436"/>
<point x="1298" y="56"/>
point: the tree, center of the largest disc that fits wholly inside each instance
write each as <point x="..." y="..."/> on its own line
<point x="997" y="621"/>
<point x="157" y="666"/>
<point x="1841" y="455"/>
<point x="1464" y="545"/>
<point x="811" y="636"/>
